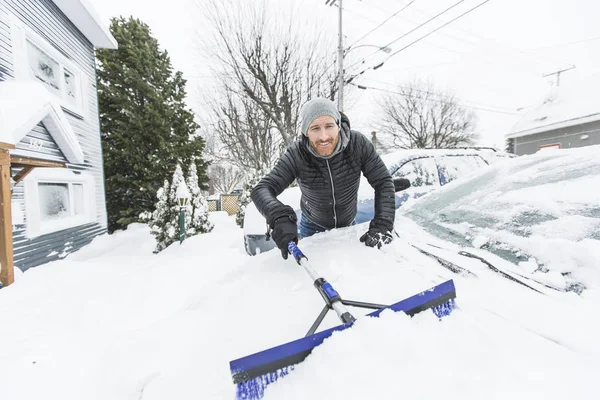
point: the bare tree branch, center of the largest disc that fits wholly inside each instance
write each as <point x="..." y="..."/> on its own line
<point x="267" y="66"/>
<point x="224" y="176"/>
<point x="243" y="136"/>
<point x="419" y="116"/>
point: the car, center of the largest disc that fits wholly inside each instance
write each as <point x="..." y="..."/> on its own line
<point x="538" y="215"/>
<point x="416" y="172"/>
<point x="427" y="170"/>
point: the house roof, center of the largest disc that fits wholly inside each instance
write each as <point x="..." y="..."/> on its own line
<point x="23" y="104"/>
<point x="85" y="18"/>
<point x="563" y="106"/>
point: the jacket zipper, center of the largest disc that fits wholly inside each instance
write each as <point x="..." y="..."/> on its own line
<point x="333" y="195"/>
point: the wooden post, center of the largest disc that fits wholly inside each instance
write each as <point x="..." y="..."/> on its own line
<point x="7" y="273"/>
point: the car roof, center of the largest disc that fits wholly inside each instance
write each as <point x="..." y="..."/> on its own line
<point x="396" y="159"/>
<point x="464" y="151"/>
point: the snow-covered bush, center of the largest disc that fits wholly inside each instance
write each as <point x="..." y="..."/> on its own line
<point x="164" y="222"/>
<point x="198" y="221"/>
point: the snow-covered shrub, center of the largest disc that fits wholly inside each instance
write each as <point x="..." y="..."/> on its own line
<point x="164" y="223"/>
<point x="198" y="221"/>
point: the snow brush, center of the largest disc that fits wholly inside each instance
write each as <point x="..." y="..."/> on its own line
<point x="254" y="372"/>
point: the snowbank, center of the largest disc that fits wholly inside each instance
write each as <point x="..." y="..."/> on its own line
<point x="114" y="321"/>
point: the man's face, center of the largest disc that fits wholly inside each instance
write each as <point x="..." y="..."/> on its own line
<point x="323" y="134"/>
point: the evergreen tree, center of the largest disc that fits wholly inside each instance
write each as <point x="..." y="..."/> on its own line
<point x="198" y="218"/>
<point x="146" y="128"/>
<point x="162" y="220"/>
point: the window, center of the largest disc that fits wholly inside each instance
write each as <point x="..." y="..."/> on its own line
<point x="35" y="58"/>
<point x="58" y="198"/>
<point x="420" y="172"/>
<point x="55" y="202"/>
<point x="43" y="67"/>
<point x="553" y="146"/>
<point x="453" y="167"/>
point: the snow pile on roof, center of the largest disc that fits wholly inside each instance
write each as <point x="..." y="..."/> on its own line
<point x="86" y="19"/>
<point x="563" y="106"/>
<point x="23" y="104"/>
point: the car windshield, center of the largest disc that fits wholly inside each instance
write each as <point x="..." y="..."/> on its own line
<point x="544" y="207"/>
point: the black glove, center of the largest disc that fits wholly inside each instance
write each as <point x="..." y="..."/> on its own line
<point x="376" y="236"/>
<point x="285" y="230"/>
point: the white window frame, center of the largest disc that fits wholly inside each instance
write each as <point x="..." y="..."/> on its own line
<point x="20" y="35"/>
<point x="34" y="224"/>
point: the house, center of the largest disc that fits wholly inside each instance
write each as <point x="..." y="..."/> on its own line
<point x="51" y="172"/>
<point x="567" y="117"/>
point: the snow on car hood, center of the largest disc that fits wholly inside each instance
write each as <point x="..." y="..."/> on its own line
<point x="542" y="211"/>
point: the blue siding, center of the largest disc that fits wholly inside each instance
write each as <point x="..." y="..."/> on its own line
<point x="44" y="18"/>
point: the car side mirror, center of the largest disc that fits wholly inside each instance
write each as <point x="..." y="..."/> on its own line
<point x="401" y="184"/>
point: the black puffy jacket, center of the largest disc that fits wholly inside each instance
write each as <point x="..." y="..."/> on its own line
<point x="329" y="186"/>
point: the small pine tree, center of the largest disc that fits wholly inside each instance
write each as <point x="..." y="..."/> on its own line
<point x="164" y="221"/>
<point x="161" y="223"/>
<point x="244" y="198"/>
<point x="199" y="222"/>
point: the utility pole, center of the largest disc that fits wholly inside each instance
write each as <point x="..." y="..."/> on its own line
<point x="340" y="56"/>
<point x="557" y="73"/>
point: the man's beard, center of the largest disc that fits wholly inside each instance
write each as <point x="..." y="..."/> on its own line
<point x="325" y="148"/>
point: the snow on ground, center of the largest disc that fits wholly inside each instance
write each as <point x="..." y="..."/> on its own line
<point x="114" y="321"/>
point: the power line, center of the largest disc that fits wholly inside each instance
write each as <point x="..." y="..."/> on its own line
<point x="424" y="36"/>
<point x="525" y="54"/>
<point x="411" y="31"/>
<point x="441" y="95"/>
<point x="436" y="100"/>
<point x="438" y="28"/>
<point x="358" y="14"/>
<point x="565" y="44"/>
<point x="379" y="26"/>
<point x="504" y="47"/>
<point x="371" y="31"/>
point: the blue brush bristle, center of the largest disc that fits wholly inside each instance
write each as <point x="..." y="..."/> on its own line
<point x="445" y="309"/>
<point x="254" y="389"/>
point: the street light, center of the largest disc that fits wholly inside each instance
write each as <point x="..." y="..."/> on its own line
<point x="183" y="196"/>
<point x="341" y="79"/>
<point x="385" y="49"/>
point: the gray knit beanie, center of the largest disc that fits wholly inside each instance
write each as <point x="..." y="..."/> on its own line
<point x="314" y="109"/>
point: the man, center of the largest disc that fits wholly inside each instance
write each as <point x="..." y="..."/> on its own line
<point x="326" y="162"/>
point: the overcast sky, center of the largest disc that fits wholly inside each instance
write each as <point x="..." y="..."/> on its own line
<point x="493" y="58"/>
